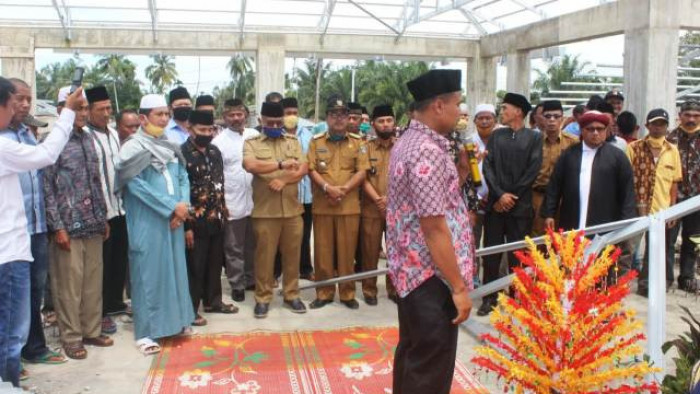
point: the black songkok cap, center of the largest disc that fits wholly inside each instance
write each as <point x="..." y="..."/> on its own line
<point x="336" y="102"/>
<point x="519" y="101"/>
<point x="272" y="110"/>
<point x="605" y="108"/>
<point x="234" y="102"/>
<point x="178" y="93"/>
<point x="355" y="108"/>
<point x="434" y="83"/>
<point x="289" y="102"/>
<point x="364" y="110"/>
<point x="201" y="117"/>
<point x="382" y="110"/>
<point x="204" y="99"/>
<point x="552" y="105"/>
<point x="98" y="93"/>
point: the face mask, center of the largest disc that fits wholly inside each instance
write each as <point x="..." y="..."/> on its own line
<point x="153" y="130"/>
<point x="203" y="140"/>
<point x="291" y="121"/>
<point x="336" y="137"/>
<point x="385" y="135"/>
<point x="272" y="132"/>
<point x="181" y="114"/>
<point x="461" y="124"/>
<point x="364" y="128"/>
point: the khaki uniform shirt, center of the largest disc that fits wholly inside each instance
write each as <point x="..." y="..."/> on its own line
<point x="378" y="153"/>
<point x="337" y="162"/>
<point x="268" y="203"/>
<point x="550" y="155"/>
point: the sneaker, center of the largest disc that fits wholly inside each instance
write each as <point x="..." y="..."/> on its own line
<point x="108" y="325"/>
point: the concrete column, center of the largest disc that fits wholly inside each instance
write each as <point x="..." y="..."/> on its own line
<point x="651" y="55"/>
<point x="481" y="81"/>
<point x="269" y="75"/>
<point x="518" y="77"/>
<point x="17" y="58"/>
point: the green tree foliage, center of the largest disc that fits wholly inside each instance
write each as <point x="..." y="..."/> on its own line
<point x="162" y="73"/>
<point x="565" y="69"/>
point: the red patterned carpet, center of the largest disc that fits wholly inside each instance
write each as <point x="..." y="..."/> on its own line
<point x="355" y="360"/>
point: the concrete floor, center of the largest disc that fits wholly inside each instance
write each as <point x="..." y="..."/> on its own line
<point x="122" y="369"/>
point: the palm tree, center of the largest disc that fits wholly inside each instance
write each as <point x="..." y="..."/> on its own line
<point x="304" y="83"/>
<point x="565" y="69"/>
<point x="241" y="68"/>
<point x="162" y="73"/>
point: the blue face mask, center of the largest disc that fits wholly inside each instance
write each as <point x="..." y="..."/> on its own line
<point x="336" y="137"/>
<point x="272" y="132"/>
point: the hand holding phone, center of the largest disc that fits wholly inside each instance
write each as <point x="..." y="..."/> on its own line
<point x="77" y="80"/>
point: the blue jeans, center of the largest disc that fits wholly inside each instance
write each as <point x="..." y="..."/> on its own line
<point x="36" y="342"/>
<point x="14" y="317"/>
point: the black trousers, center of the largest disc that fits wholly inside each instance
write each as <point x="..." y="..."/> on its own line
<point x="115" y="257"/>
<point x="204" y="263"/>
<point x="689" y="226"/>
<point x="305" y="265"/>
<point x="502" y="228"/>
<point x="424" y="361"/>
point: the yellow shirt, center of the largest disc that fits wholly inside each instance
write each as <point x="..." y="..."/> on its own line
<point x="268" y="203"/>
<point x="668" y="171"/>
<point x="337" y="162"/>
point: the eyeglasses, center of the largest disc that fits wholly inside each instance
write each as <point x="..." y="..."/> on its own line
<point x="595" y="129"/>
<point x="552" y="116"/>
<point x="337" y="115"/>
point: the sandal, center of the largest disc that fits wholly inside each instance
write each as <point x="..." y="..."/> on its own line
<point x="100" y="341"/>
<point x="49" y="357"/>
<point x="199" y="321"/>
<point x="75" y="350"/>
<point x="23" y="373"/>
<point x="222" y="308"/>
<point x="50" y="318"/>
<point x="147" y="346"/>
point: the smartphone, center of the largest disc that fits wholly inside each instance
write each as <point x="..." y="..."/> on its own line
<point x="77" y="80"/>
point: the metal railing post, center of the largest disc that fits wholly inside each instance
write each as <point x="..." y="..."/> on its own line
<point x="656" y="314"/>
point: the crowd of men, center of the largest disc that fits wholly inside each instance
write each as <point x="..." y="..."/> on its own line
<point x="159" y="205"/>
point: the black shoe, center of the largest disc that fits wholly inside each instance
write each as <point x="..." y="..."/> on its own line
<point x="371" y="301"/>
<point x="643" y="291"/>
<point x="318" y="303"/>
<point x="394" y="298"/>
<point x="689" y="285"/>
<point x="238" y="295"/>
<point x="352" y="304"/>
<point x="486" y="307"/>
<point x="250" y="287"/>
<point x="295" y="305"/>
<point x="260" y="310"/>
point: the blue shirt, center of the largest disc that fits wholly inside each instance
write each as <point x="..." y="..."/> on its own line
<point x="573" y="129"/>
<point x="175" y="133"/>
<point x="305" y="134"/>
<point x="31" y="183"/>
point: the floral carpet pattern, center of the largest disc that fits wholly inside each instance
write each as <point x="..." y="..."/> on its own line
<point x="355" y="360"/>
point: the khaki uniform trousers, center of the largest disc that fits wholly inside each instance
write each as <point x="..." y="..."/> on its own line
<point x="335" y="235"/>
<point x="76" y="284"/>
<point x="271" y="234"/>
<point x="371" y="243"/>
<point x="538" y="222"/>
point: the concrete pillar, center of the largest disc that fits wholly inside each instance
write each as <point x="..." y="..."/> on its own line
<point x="269" y="71"/>
<point x="518" y="77"/>
<point x="481" y="81"/>
<point x="651" y="55"/>
<point x="17" y="58"/>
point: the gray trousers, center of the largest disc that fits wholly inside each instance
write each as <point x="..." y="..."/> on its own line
<point x="239" y="253"/>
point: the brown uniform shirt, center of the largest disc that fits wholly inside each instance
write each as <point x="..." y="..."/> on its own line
<point x="550" y="155"/>
<point x="337" y="162"/>
<point x="378" y="152"/>
<point x="268" y="203"/>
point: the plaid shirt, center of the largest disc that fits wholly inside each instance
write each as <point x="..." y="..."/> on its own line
<point x="73" y="190"/>
<point x="689" y="148"/>
<point x="424" y="182"/>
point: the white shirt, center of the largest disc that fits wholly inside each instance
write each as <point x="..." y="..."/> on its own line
<point x="584" y="186"/>
<point x="107" y="145"/>
<point x="16" y="158"/>
<point x="238" y="183"/>
<point x="483" y="190"/>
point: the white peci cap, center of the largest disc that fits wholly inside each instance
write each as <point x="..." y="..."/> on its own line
<point x="485" y="108"/>
<point x="151" y="101"/>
